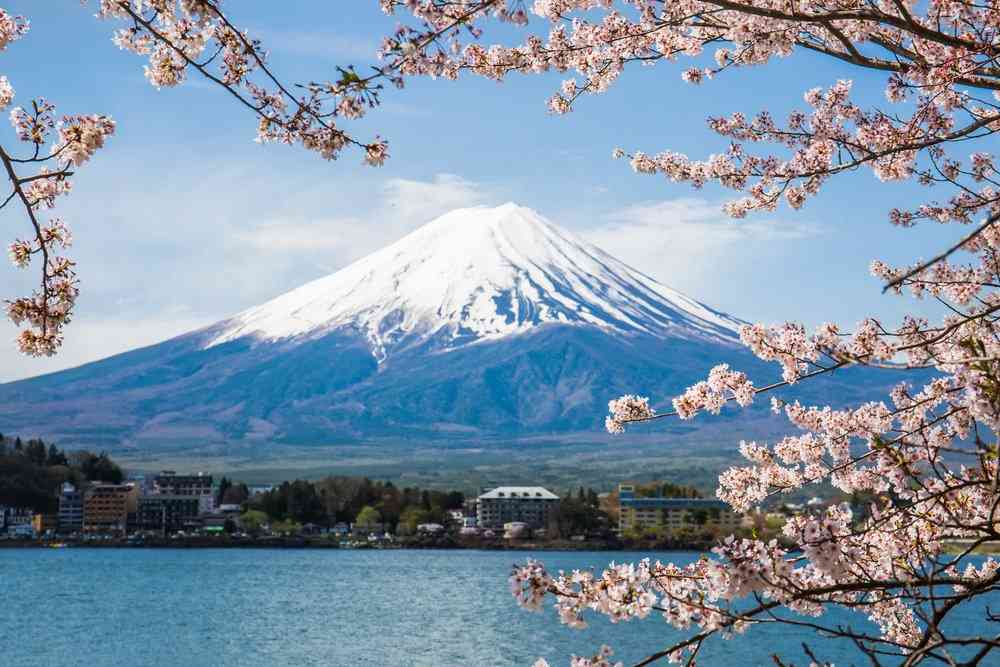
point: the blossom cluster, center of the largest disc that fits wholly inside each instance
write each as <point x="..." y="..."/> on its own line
<point x="627" y="409"/>
<point x="49" y="308"/>
<point x="180" y="36"/>
<point x="600" y="659"/>
<point x="921" y="459"/>
<point x="721" y="386"/>
<point x="44" y="313"/>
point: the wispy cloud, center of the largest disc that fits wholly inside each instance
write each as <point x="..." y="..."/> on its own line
<point x="92" y="338"/>
<point x="278" y="236"/>
<point x="684" y="242"/>
<point x="417" y="201"/>
<point x="403" y="205"/>
<point x="208" y="249"/>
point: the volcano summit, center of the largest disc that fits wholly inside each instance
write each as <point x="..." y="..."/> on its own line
<point x="486" y="321"/>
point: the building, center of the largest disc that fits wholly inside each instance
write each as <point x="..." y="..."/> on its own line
<point x="169" y="483"/>
<point x="143" y="482"/>
<point x="106" y="507"/>
<point x="70" y="509"/>
<point x="167" y="513"/>
<point x="672" y="514"/>
<point x="16" y="520"/>
<point x="44" y="523"/>
<point x="430" y="528"/>
<point x="515" y="530"/>
<point x="524" y="504"/>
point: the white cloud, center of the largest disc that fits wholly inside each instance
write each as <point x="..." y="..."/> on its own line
<point x="90" y="339"/>
<point x="300" y="235"/>
<point x="218" y="247"/>
<point x="417" y="202"/>
<point x="684" y="242"/>
<point x="404" y="205"/>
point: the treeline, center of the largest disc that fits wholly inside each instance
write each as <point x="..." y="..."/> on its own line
<point x="364" y="502"/>
<point x="578" y="514"/>
<point x="32" y="472"/>
<point x="356" y="500"/>
<point x="231" y="493"/>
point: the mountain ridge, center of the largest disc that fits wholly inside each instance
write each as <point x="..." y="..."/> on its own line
<point x="478" y="274"/>
<point x="486" y="323"/>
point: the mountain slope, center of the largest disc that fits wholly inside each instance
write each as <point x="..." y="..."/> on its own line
<point x="483" y="323"/>
<point x="479" y="274"/>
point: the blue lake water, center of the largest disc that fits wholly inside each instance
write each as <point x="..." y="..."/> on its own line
<point x="196" y="607"/>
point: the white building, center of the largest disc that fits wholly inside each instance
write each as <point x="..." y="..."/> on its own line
<point x="524" y="504"/>
<point x="169" y="483"/>
<point x="430" y="528"/>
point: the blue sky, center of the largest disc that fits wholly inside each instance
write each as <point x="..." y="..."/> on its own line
<point x="183" y="220"/>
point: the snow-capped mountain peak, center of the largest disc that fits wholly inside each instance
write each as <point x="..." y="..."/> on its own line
<point x="478" y="274"/>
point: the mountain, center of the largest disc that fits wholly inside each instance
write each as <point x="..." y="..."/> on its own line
<point x="477" y="275"/>
<point x="486" y="322"/>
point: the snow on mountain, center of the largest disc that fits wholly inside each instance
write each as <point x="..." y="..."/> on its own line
<point x="478" y="274"/>
<point x="487" y="322"/>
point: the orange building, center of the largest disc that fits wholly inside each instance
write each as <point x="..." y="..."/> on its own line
<point x="106" y="506"/>
<point x="44" y="522"/>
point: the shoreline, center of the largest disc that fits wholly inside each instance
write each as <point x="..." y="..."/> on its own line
<point x="324" y="544"/>
<point x="441" y="545"/>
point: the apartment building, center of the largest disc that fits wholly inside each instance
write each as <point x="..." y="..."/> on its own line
<point x="70" y="515"/>
<point x="169" y="483"/>
<point x="506" y="504"/>
<point x="106" y="507"/>
<point x="672" y="514"/>
<point x="167" y="513"/>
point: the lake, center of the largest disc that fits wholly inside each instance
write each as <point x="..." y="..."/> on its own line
<point x="316" y="607"/>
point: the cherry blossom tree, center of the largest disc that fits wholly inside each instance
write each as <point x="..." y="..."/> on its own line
<point x="927" y="455"/>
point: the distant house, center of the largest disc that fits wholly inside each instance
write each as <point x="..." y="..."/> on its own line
<point x="368" y="529"/>
<point x="514" y="530"/>
<point x="16" y="520"/>
<point x="530" y="505"/>
<point x="672" y="514"/>
<point x="311" y="529"/>
<point x="21" y="530"/>
<point x="44" y="523"/>
<point x="430" y="528"/>
<point x="341" y="529"/>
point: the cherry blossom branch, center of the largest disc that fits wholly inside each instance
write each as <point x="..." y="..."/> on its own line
<point x="920" y="268"/>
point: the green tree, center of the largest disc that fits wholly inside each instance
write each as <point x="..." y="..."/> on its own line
<point x="98" y="467"/>
<point x="35" y="451"/>
<point x="253" y="521"/>
<point x="368" y="516"/>
<point x="412" y="517"/>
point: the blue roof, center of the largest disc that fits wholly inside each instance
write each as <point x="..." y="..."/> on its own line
<point x="673" y="503"/>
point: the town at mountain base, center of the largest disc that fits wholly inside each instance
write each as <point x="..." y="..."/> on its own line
<point x="528" y="330"/>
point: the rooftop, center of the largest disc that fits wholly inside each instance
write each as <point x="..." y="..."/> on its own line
<point x="673" y="503"/>
<point x="537" y="492"/>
